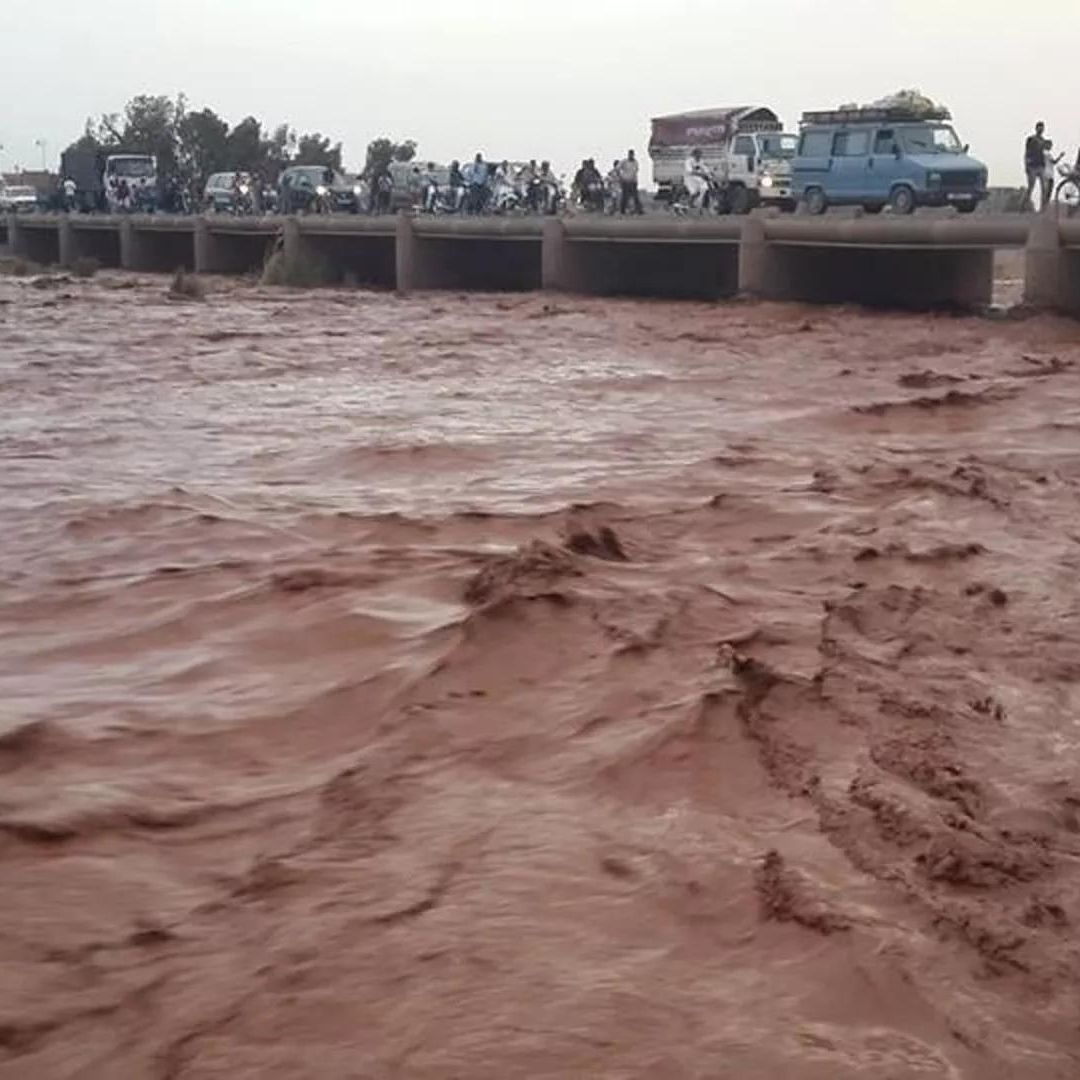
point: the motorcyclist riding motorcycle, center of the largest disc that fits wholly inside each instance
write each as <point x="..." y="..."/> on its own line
<point x="504" y="194"/>
<point x="697" y="178"/>
<point x="589" y="186"/>
<point x="550" y="191"/>
<point x="527" y="186"/>
<point x="429" y="189"/>
<point x="242" y="200"/>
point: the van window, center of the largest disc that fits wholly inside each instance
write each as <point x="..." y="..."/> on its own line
<point x="851" y="144"/>
<point x="815" y="144"/>
<point x="744" y="144"/>
<point x="885" y="142"/>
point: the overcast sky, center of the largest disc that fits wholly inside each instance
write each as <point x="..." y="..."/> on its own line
<point x="562" y="79"/>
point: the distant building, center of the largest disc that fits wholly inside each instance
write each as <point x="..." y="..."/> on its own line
<point x="44" y="183"/>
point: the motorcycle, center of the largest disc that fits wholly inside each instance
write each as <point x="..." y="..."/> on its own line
<point x="504" y="198"/>
<point x="552" y="197"/>
<point x="591" y="198"/>
<point x="714" y="199"/>
<point x="243" y="201"/>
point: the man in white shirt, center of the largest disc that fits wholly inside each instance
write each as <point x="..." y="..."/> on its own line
<point x="696" y="177"/>
<point x="628" y="181"/>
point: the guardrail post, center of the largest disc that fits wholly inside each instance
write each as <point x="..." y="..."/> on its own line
<point x="131" y="246"/>
<point x="206" y="261"/>
<point x="17" y="239"/>
<point x="1043" y="257"/>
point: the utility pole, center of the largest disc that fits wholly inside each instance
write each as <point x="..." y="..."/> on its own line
<point x="42" y="145"/>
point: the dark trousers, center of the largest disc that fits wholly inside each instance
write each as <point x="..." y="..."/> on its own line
<point x="630" y="195"/>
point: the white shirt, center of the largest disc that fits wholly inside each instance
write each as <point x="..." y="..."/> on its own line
<point x="696" y="167"/>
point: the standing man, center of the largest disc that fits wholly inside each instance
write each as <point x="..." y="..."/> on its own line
<point x="477" y="176"/>
<point x="628" y="180"/>
<point x="1035" y="150"/>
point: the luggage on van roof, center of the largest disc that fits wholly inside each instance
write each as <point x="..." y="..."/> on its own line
<point x="903" y="105"/>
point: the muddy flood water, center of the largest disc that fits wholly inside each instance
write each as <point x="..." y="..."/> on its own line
<point x="487" y="688"/>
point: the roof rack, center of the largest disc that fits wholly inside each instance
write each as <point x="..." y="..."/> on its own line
<point x="875" y="114"/>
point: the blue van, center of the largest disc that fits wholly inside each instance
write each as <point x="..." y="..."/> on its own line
<point x="877" y="157"/>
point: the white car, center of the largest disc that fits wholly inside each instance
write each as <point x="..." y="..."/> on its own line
<point x="16" y="197"/>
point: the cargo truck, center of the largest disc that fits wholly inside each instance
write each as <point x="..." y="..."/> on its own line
<point x="745" y="147"/>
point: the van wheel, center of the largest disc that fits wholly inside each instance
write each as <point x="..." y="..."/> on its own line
<point x="967" y="207"/>
<point x="902" y="200"/>
<point x="815" y="201"/>
<point x="741" y="202"/>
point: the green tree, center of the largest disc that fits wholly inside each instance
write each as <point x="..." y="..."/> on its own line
<point x="245" y="146"/>
<point x="278" y="150"/>
<point x="150" y="127"/>
<point x="315" y="149"/>
<point x="202" y="145"/>
<point x="382" y="151"/>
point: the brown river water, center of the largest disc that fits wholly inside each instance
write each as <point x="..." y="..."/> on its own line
<point x="487" y="688"/>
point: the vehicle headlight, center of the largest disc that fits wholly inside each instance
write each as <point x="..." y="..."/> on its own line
<point x="321" y="189"/>
<point x="767" y="181"/>
<point x="933" y="179"/>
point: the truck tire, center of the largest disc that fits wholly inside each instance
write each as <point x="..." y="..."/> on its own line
<point x="902" y="200"/>
<point x="967" y="207"/>
<point x="815" y="201"/>
<point x="742" y="199"/>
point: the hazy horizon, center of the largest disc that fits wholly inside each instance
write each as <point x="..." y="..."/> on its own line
<point x="578" y="80"/>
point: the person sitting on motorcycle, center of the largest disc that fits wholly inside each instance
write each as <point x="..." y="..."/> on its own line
<point x="696" y="177"/>
<point x="429" y="189"/>
<point x="526" y="185"/>
<point x="594" y="186"/>
<point x="240" y="191"/>
<point x="502" y="186"/>
<point x="547" y="188"/>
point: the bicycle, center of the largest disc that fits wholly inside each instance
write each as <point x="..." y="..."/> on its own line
<point x="1067" y="194"/>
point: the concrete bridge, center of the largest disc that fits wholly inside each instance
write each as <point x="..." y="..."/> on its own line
<point x="918" y="262"/>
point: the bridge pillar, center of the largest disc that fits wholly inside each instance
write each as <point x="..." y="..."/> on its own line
<point x="407" y="268"/>
<point x="133" y="253"/>
<point x="755" y="270"/>
<point x="68" y="243"/>
<point x="207" y="256"/>
<point x="554" y="257"/>
<point x="17" y="241"/>
<point x="1044" y="263"/>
